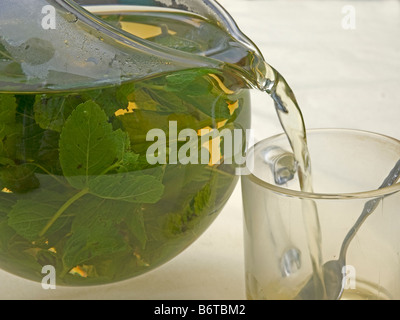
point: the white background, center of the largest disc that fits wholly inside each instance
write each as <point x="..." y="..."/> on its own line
<point x="342" y="78"/>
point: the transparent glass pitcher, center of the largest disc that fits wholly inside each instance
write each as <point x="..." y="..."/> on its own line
<point x="103" y="110"/>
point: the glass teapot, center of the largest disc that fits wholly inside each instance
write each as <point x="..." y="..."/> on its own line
<point x="116" y="126"/>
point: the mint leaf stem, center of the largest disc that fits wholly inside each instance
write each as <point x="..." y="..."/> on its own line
<point x="114" y="166"/>
<point x="49" y="173"/>
<point x="64" y="207"/>
<point x="7" y="56"/>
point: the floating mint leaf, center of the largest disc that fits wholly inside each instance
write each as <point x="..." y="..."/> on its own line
<point x="87" y="145"/>
<point x="95" y="233"/>
<point x="7" y="200"/>
<point x="130" y="162"/>
<point x="19" y="179"/>
<point x="89" y="150"/>
<point x="189" y="85"/>
<point x="113" y="99"/>
<point x="8" y="106"/>
<point x="204" y="201"/>
<point x="122" y="143"/>
<point x="132" y="187"/>
<point x="193" y="78"/>
<point x="148" y="98"/>
<point x="28" y="216"/>
<point x="10" y="131"/>
<point x="52" y="111"/>
<point x="193" y="209"/>
<point x="88" y="243"/>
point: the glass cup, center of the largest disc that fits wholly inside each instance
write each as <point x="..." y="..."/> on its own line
<point x="285" y="256"/>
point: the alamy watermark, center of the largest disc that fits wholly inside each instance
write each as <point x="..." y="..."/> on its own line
<point x="49" y="280"/>
<point x="206" y="146"/>
<point x="349" y="281"/>
<point x="49" y="20"/>
<point x="349" y="17"/>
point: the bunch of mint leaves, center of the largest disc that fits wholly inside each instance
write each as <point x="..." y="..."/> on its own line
<point x="75" y="180"/>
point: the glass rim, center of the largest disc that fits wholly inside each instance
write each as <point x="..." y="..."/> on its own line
<point x="328" y="196"/>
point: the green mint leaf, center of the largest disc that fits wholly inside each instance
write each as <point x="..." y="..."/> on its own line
<point x="140" y="122"/>
<point x="30" y="140"/>
<point x="7" y="200"/>
<point x="19" y="179"/>
<point x="135" y="223"/>
<point x="204" y="201"/>
<point x="192" y="78"/>
<point x="199" y="90"/>
<point x="127" y="160"/>
<point x="10" y="131"/>
<point x="125" y="92"/>
<point x="29" y="216"/>
<point x="113" y="99"/>
<point x="198" y="174"/>
<point x="87" y="145"/>
<point x="8" y="107"/>
<point x="15" y="256"/>
<point x="90" y="94"/>
<point x="51" y="111"/>
<point x="48" y="153"/>
<point x="144" y="101"/>
<point x="94" y="233"/>
<point x="6" y="233"/>
<point x="22" y="139"/>
<point x="10" y="136"/>
<point x="132" y="187"/>
<point x="130" y="162"/>
<point x="31" y="133"/>
<point x="99" y="213"/>
<point x="213" y="105"/>
<point x="87" y="243"/>
<point x="122" y="143"/>
<point x="147" y="98"/>
<point x="5" y="161"/>
<point x="108" y="102"/>
<point x="171" y="96"/>
<point x="187" y="218"/>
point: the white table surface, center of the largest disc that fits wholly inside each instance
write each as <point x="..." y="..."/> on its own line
<point x="342" y="78"/>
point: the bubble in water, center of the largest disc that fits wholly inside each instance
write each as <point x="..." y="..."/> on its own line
<point x="290" y="262"/>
